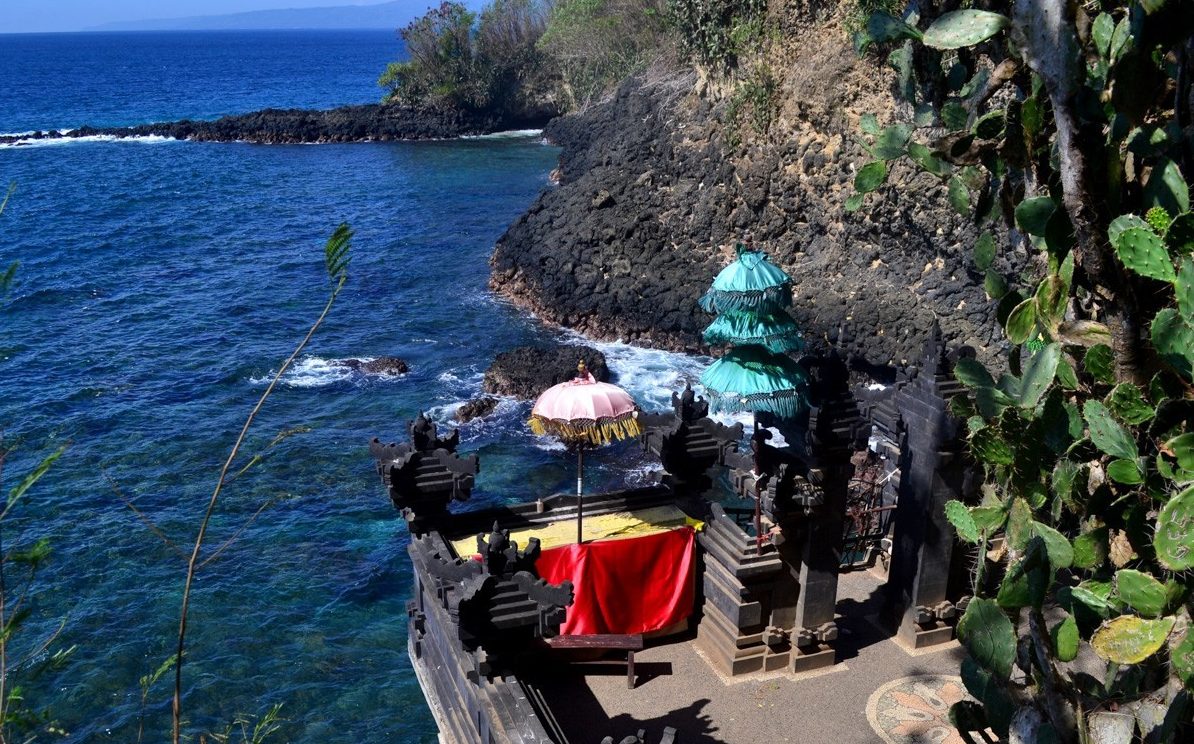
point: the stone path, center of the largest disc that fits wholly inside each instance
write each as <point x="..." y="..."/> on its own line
<point x="877" y="692"/>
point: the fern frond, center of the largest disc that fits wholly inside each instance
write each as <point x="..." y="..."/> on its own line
<point x="336" y="256"/>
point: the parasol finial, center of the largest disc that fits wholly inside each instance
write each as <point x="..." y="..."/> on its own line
<point x="580" y="367"/>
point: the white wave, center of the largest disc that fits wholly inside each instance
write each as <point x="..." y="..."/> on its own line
<point x="650" y="375"/>
<point x="149" y="139"/>
<point x="642" y="475"/>
<point x="549" y="445"/>
<point x="508" y="134"/>
<point x="310" y="372"/>
<point x="314" y="372"/>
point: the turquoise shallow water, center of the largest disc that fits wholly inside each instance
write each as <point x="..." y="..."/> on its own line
<point x="160" y="284"/>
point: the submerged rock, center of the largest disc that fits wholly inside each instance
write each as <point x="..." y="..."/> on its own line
<point x="476" y="408"/>
<point x="383" y="365"/>
<point x="527" y="371"/>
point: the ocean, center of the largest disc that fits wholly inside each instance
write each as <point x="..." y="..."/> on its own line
<point x="160" y="285"/>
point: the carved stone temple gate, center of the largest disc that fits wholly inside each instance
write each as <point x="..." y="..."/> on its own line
<point x="765" y="601"/>
<point x="770" y="604"/>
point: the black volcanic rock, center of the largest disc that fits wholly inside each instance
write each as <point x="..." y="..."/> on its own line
<point x="651" y="200"/>
<point x="527" y="371"/>
<point x="476" y="408"/>
<point x="362" y="123"/>
<point x="383" y="365"/>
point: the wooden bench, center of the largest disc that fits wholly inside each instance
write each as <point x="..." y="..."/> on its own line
<point x="603" y="642"/>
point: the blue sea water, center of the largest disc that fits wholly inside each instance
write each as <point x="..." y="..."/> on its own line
<point x="160" y="285"/>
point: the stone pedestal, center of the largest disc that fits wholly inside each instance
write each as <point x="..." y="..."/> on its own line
<point x="933" y="470"/>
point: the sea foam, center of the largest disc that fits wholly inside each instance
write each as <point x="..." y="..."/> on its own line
<point x="149" y="139"/>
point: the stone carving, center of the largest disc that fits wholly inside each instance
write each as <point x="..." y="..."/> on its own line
<point x="688" y="406"/>
<point x="424" y="436"/>
<point x="424" y="474"/>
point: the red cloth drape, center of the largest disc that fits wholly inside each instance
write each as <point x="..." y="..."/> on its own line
<point x="631" y="585"/>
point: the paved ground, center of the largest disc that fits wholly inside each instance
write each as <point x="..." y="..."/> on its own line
<point x="676" y="687"/>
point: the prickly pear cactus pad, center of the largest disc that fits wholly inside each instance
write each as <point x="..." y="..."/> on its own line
<point x="963" y="28"/>
<point x="1174" y="539"/>
<point x="1129" y="639"/>
<point x="1144" y="252"/>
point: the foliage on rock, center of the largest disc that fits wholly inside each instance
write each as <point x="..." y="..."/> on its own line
<point x="595" y="44"/>
<point x="1070" y="127"/>
<point x="717" y="32"/>
<point x="471" y="61"/>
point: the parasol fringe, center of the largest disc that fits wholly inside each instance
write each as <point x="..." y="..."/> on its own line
<point x="602" y="431"/>
<point x="771" y="298"/>
<point x="785" y="404"/>
<point x="777" y="343"/>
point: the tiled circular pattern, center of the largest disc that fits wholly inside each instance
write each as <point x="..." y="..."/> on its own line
<point x="915" y="710"/>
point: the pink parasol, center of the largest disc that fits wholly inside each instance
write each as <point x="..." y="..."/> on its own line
<point x="584" y="413"/>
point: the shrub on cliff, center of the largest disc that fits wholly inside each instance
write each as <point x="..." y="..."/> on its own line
<point x="716" y="32"/>
<point x="465" y="60"/>
<point x="1069" y="128"/>
<point x="595" y="44"/>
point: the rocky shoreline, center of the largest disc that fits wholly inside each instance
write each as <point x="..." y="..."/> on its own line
<point x="360" y="123"/>
<point x="651" y="199"/>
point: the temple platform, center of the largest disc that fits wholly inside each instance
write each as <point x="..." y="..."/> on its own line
<point x="908" y="693"/>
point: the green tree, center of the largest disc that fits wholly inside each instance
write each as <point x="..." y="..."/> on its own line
<point x="440" y="64"/>
<point x="1067" y="128"/>
<point x="465" y="60"/>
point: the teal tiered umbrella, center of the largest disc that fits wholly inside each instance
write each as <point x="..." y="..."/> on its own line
<point x="751" y="283"/>
<point x="750" y="296"/>
<point x="776" y="332"/>
<point x="749" y="378"/>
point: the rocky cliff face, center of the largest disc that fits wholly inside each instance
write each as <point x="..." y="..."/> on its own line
<point x="651" y="200"/>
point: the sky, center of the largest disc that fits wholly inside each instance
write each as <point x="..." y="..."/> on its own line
<point x="23" y="16"/>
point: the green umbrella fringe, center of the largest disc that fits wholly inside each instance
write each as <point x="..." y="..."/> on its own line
<point x="599" y="432"/>
<point x="785" y="403"/>
<point x="773" y="298"/>
<point x="779" y="343"/>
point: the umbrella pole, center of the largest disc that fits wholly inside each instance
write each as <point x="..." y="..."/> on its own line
<point x="758" y="496"/>
<point x="580" y="474"/>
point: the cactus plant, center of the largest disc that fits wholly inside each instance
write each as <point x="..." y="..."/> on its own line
<point x="1174" y="539"/>
<point x="1099" y="362"/>
<point x="1065" y="639"/>
<point x="988" y="635"/>
<point x="1182" y="659"/>
<point x="1086" y="464"/>
<point x="1180" y="234"/>
<point x="1143" y="251"/>
<point x="1032" y="214"/>
<point x="1166" y="188"/>
<point x="1173" y="337"/>
<point x="959" y="517"/>
<point x="1140" y="592"/>
<point x="1158" y="219"/>
<point x="1106" y="433"/>
<point x="1183" y="290"/>
<point x="1128" y="639"/>
<point x="984" y="251"/>
<point x="963" y="28"/>
<point x="1127" y="402"/>
<point x="1123" y="222"/>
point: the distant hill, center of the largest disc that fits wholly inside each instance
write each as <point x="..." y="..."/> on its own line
<point x="389" y="15"/>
